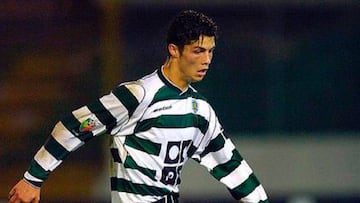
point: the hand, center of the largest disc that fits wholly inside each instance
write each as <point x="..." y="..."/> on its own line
<point x="24" y="192"/>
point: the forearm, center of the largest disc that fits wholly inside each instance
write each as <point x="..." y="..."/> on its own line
<point x="227" y="165"/>
<point x="80" y="126"/>
<point x="51" y="154"/>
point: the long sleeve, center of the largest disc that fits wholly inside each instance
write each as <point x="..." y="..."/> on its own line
<point x="225" y="163"/>
<point x="105" y="115"/>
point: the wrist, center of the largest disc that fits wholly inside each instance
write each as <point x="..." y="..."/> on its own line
<point x="36" y="185"/>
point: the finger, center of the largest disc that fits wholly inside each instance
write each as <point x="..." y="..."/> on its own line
<point x="11" y="193"/>
<point x="13" y="199"/>
<point x="35" y="201"/>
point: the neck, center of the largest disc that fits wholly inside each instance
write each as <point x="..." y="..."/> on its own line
<point x="173" y="75"/>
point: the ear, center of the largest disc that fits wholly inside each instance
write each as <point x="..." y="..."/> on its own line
<point x="173" y="50"/>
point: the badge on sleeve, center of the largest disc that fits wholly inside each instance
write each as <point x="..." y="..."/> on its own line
<point x="87" y="125"/>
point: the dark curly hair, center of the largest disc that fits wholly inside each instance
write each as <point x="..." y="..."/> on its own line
<point x="187" y="27"/>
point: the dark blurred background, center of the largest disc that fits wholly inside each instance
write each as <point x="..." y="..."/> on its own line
<point x="285" y="82"/>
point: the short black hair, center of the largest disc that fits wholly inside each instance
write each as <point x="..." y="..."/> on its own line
<point x="187" y="27"/>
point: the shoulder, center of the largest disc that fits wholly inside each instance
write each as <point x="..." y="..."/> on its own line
<point x="134" y="87"/>
<point x="137" y="88"/>
<point x="151" y="81"/>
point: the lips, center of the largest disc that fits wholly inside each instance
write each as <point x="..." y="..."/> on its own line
<point x="202" y="72"/>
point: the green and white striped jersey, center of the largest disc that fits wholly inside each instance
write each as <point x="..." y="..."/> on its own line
<point x="156" y="128"/>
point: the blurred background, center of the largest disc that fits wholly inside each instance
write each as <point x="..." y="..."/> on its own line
<point x="285" y="82"/>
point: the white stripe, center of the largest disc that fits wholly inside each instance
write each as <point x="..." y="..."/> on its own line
<point x="65" y="137"/>
<point x="163" y="135"/>
<point x="136" y="176"/>
<point x="213" y="159"/>
<point x="148" y="161"/>
<point x="46" y="160"/>
<point x="28" y="176"/>
<point x="82" y="113"/>
<point x="238" y="176"/>
<point x="130" y="197"/>
<point x="137" y="90"/>
<point x="123" y="197"/>
<point x="98" y="131"/>
<point x="151" y="162"/>
<point x="255" y="196"/>
<point x="177" y="107"/>
<point x="115" y="107"/>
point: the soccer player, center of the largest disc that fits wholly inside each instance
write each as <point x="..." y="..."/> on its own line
<point x="156" y="123"/>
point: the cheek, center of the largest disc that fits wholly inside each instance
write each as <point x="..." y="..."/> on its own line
<point x="190" y="60"/>
<point x="194" y="60"/>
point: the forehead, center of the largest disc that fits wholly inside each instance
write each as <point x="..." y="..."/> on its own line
<point x="203" y="41"/>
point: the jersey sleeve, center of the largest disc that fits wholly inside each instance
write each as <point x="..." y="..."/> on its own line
<point x="225" y="163"/>
<point x="106" y="115"/>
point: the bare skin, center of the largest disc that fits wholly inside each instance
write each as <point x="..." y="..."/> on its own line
<point x="191" y="64"/>
<point x="182" y="68"/>
<point x="24" y="192"/>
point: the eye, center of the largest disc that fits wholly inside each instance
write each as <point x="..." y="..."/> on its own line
<point x="198" y="51"/>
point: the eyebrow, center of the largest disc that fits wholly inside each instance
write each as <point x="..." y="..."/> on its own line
<point x="202" y="48"/>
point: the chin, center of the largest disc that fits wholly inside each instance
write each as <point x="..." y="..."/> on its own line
<point x="197" y="80"/>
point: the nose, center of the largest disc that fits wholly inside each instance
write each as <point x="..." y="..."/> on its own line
<point x="207" y="59"/>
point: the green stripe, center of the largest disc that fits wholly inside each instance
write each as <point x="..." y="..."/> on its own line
<point x="165" y="93"/>
<point x="37" y="171"/>
<point x="225" y="169"/>
<point x="265" y="201"/>
<point x="192" y="149"/>
<point x="72" y="124"/>
<point x="115" y="154"/>
<point x="55" y="149"/>
<point x="130" y="163"/>
<point x="127" y="99"/>
<point x="86" y="136"/>
<point x="122" y="185"/>
<point x="102" y="114"/>
<point x="245" y="188"/>
<point x="143" y="145"/>
<point x="214" y="145"/>
<point x="174" y="121"/>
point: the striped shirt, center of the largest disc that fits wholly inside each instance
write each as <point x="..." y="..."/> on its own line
<point x="155" y="129"/>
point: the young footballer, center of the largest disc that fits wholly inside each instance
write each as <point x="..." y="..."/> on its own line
<point x="157" y="123"/>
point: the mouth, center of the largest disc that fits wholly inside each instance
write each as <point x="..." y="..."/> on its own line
<point x="202" y="72"/>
